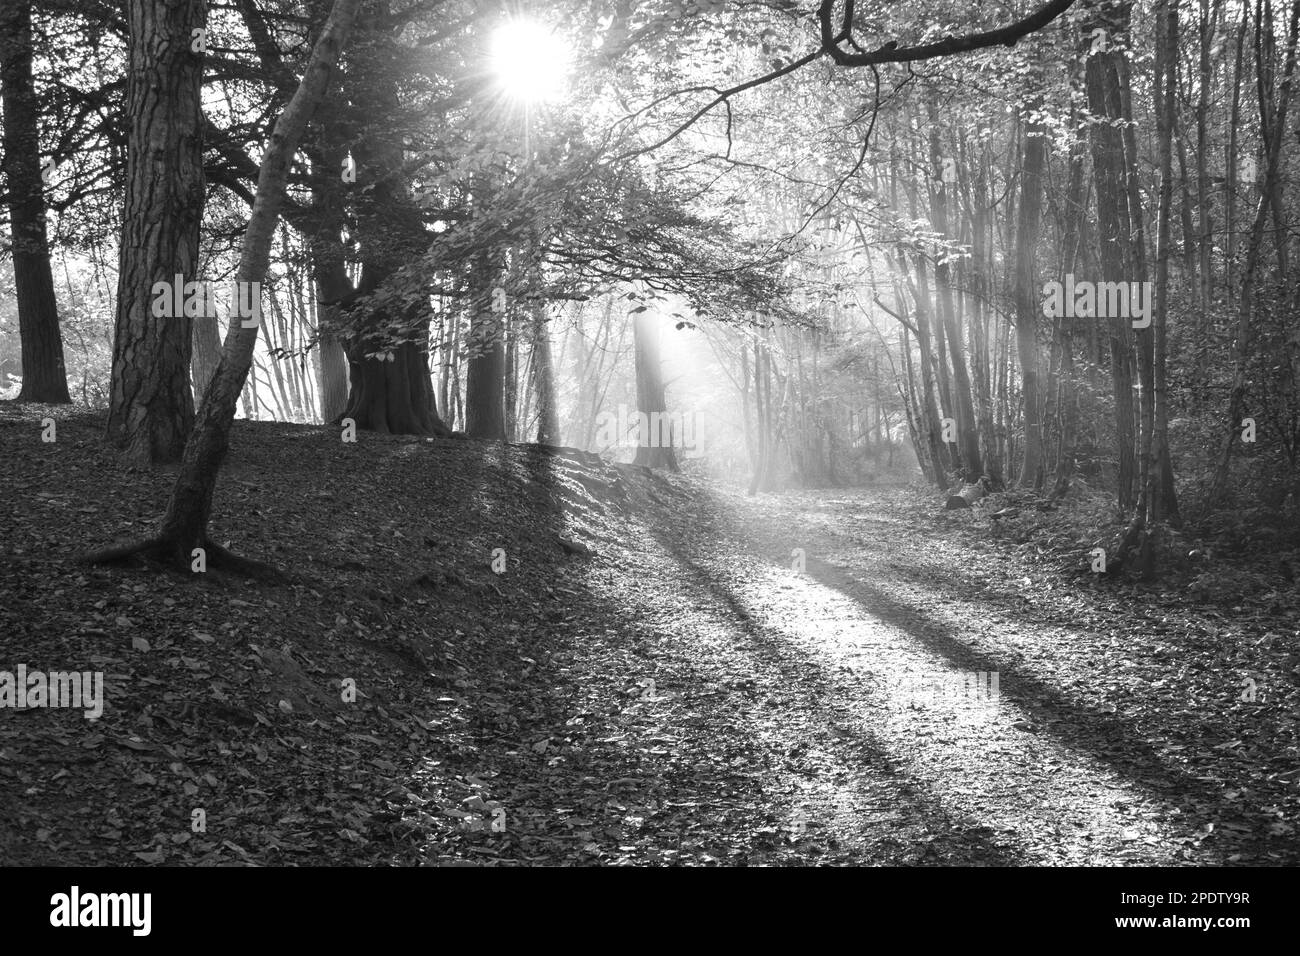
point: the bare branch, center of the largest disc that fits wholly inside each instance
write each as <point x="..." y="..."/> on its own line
<point x="891" y="52"/>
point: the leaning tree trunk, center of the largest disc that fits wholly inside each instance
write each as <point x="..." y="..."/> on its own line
<point x="44" y="377"/>
<point x="651" y="450"/>
<point x="184" y="525"/>
<point x="151" y="409"/>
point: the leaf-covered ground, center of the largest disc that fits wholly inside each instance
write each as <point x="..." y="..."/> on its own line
<point x="651" y="680"/>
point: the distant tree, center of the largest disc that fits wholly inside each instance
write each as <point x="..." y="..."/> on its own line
<point x="44" y="377"/>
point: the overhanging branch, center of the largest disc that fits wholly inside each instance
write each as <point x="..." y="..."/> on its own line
<point x="892" y="53"/>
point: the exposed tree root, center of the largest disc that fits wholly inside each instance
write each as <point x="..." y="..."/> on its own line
<point x="1137" y="548"/>
<point x="171" y="554"/>
<point x="245" y="567"/>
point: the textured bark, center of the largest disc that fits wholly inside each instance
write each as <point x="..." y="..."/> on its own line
<point x="151" y="408"/>
<point x="44" y="377"/>
<point x="206" y="353"/>
<point x="395" y="398"/>
<point x="333" y="368"/>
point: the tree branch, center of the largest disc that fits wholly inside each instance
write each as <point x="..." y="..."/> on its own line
<point x="892" y="53"/>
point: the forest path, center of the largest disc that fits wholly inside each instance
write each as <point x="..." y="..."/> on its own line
<point x="818" y="716"/>
<point x="794" y="717"/>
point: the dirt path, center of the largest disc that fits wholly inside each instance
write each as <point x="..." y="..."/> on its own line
<point x="819" y="716"/>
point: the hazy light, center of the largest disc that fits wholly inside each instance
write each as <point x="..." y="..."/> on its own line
<point x="530" y="61"/>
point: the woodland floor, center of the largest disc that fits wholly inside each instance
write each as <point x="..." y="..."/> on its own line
<point x="777" y="729"/>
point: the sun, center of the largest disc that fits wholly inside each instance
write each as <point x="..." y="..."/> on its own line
<point x="530" y="61"/>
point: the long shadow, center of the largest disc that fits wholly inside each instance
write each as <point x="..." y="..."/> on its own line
<point x="549" y="470"/>
<point x="565" y="490"/>
<point x="1110" y="739"/>
<point x="767" y="649"/>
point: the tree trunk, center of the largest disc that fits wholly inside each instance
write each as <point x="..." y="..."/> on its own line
<point x="44" y="377"/>
<point x="967" y="430"/>
<point x="184" y="525"/>
<point x="651" y="450"/>
<point x="484" y="381"/>
<point x="151" y="408"/>
<point x="760" y="432"/>
<point x="931" y="428"/>
<point x="330" y="276"/>
<point x="1230" y="164"/>
<point x="548" y="416"/>
<point x="1105" y="102"/>
<point x="1209" y="20"/>
<point x="1166" y="96"/>
<point x="391" y="391"/>
<point x="333" y="363"/>
<point x="1072" y="242"/>
<point x="485" y="376"/>
<point x="1027" y="303"/>
<point x="205" y="353"/>
<point x="510" y="384"/>
<point x="979" y="325"/>
<point x="1242" y="347"/>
